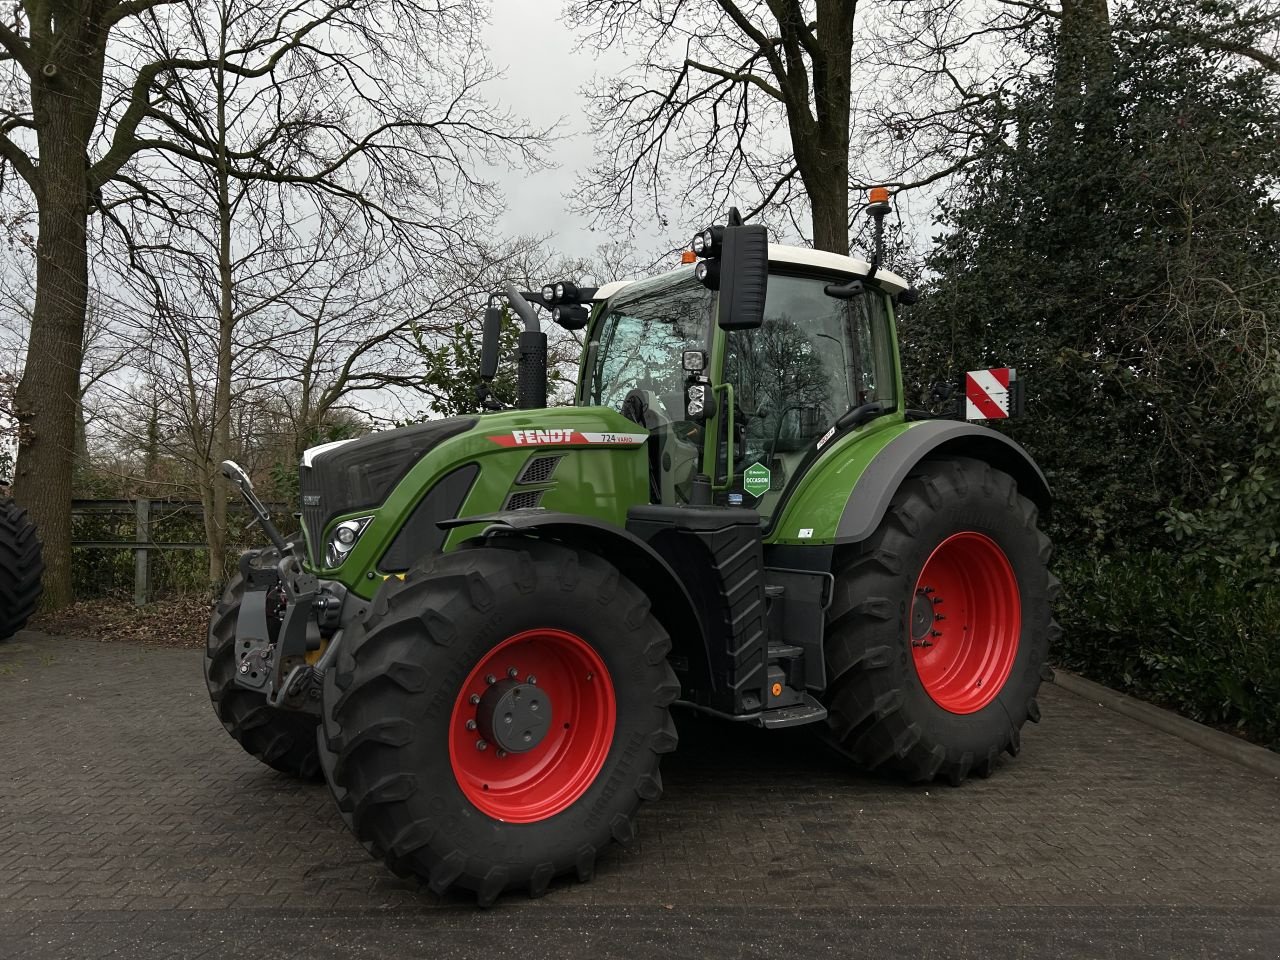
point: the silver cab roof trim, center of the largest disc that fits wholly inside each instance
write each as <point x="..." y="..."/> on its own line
<point x="610" y="288"/>
<point x="800" y="257"/>
<point x="823" y="260"/>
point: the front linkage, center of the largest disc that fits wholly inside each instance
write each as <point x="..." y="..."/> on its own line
<point x="285" y="614"/>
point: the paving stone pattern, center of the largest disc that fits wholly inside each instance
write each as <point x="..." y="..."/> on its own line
<point x="131" y="825"/>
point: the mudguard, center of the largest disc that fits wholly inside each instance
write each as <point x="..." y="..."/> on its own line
<point x="636" y="560"/>
<point x="869" y="499"/>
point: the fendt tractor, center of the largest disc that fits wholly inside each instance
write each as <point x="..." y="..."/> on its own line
<point x="480" y="635"/>
<point x="21" y="568"/>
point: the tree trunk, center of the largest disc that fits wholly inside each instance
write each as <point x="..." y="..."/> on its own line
<point x="821" y="143"/>
<point x="1084" y="62"/>
<point x="48" y="396"/>
<point x="220" y="446"/>
<point x="829" y="198"/>
<point x="220" y="439"/>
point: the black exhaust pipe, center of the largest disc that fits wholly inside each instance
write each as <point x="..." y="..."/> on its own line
<point x="531" y="368"/>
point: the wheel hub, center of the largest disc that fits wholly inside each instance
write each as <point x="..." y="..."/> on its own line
<point x="532" y="725"/>
<point x="921" y="617"/>
<point x="514" y="716"/>
<point x="965" y="622"/>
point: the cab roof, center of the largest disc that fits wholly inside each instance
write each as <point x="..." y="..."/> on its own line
<point x="801" y="257"/>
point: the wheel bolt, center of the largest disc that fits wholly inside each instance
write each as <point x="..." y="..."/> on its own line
<point x="935" y="633"/>
<point x="937" y="600"/>
<point x="490" y="679"/>
<point x="939" y="616"/>
<point x="473" y="699"/>
<point x="531" y="679"/>
<point x="927" y="590"/>
<point x="512" y="672"/>
<point x="471" y="724"/>
<point x="502" y="754"/>
<point x="482" y="745"/>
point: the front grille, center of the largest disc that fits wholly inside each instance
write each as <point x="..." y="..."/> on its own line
<point x="538" y="470"/>
<point x="312" y="511"/>
<point x="524" y="499"/>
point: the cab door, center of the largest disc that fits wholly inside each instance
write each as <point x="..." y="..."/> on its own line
<point x="781" y="387"/>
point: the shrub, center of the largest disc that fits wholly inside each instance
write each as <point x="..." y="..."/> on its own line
<point x="1179" y="632"/>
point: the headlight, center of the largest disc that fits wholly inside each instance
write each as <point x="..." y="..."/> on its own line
<point x="699" y="244"/>
<point x="342" y="539"/>
<point x="548" y="293"/>
<point x="708" y="273"/>
<point x="698" y="402"/>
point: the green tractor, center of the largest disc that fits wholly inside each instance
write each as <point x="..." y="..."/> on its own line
<point x="21" y="568"/>
<point x="480" y="637"/>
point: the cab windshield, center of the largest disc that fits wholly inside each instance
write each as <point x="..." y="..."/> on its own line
<point x="639" y="343"/>
<point x="635" y="363"/>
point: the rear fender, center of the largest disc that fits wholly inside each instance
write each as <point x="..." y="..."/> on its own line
<point x="869" y="500"/>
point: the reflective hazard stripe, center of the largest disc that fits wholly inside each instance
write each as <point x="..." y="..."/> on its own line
<point x="986" y="394"/>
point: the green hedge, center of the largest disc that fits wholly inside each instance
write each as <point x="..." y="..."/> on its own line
<point x="1179" y="633"/>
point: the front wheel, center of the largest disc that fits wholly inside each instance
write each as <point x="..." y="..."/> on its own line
<point x="939" y="627"/>
<point x="284" y="740"/>
<point x="499" y="717"/>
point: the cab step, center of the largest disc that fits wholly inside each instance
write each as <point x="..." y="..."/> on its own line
<point x="808" y="710"/>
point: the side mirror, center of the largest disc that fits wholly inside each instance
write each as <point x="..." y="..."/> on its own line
<point x="735" y="261"/>
<point x="489" y="343"/>
<point x="744" y="277"/>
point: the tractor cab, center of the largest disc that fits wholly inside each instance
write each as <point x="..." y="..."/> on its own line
<point x="743" y="408"/>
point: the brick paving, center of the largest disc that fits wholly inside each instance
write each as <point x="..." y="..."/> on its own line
<point x="132" y="826"/>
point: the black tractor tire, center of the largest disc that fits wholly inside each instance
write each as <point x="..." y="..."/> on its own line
<point x="397" y="713"/>
<point x="881" y="713"/>
<point x="21" y="567"/>
<point x="284" y="740"/>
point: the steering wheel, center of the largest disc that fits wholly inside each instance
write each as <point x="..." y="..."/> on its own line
<point x="644" y="407"/>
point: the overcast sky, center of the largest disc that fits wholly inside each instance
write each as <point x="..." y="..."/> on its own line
<point x="544" y="77"/>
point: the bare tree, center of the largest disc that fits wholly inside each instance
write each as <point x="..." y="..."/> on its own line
<point x="373" y="96"/>
<point x="788" y="106"/>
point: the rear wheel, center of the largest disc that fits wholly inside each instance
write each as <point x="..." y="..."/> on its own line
<point x="939" y="628"/>
<point x="282" y="739"/>
<point x="21" y="567"/>
<point x="499" y="717"/>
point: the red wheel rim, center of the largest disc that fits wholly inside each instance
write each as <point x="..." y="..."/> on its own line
<point x="524" y="787"/>
<point x="966" y="618"/>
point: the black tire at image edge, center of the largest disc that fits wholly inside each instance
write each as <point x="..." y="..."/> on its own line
<point x="21" y="568"/>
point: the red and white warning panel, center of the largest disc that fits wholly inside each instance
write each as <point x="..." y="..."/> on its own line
<point x="986" y="393"/>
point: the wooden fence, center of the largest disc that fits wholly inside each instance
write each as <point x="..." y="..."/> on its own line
<point x="141" y="515"/>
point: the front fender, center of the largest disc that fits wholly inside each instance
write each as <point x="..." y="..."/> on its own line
<point x="671" y="603"/>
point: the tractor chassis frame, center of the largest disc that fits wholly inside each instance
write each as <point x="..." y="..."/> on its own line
<point x="277" y="666"/>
